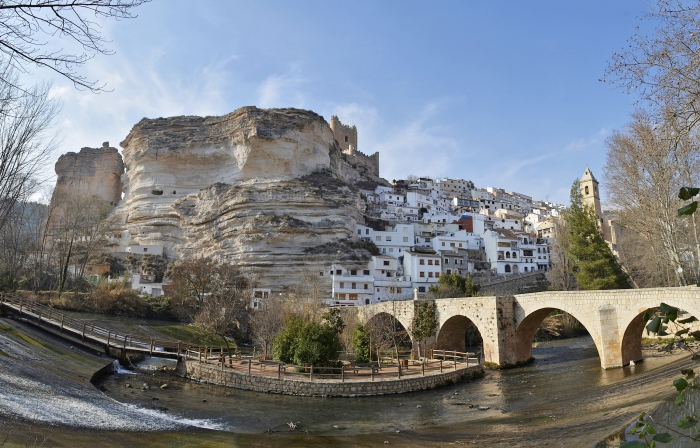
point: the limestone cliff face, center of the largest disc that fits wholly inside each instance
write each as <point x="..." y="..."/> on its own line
<point x="263" y="188"/>
<point x="90" y="172"/>
<point x="82" y="176"/>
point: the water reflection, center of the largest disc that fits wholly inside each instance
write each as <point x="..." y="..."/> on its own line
<point x="562" y="368"/>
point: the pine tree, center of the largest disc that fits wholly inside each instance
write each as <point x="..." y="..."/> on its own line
<point x="595" y="266"/>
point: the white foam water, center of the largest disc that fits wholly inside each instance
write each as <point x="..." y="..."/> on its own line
<point x="198" y="423"/>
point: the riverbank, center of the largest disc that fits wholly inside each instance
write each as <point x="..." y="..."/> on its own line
<point x="562" y="399"/>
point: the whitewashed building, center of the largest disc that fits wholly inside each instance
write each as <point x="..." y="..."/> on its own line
<point x="424" y="268"/>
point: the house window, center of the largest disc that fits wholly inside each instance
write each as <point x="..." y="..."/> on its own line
<point x="391" y="249"/>
<point x="354" y="286"/>
<point x="421" y="289"/>
<point x="437" y="262"/>
<point x="388" y="238"/>
<point x="452" y="244"/>
<point x="320" y="273"/>
<point x="145" y="249"/>
<point x="342" y="285"/>
<point x="359" y="231"/>
<point x="391" y="290"/>
<point x="386" y="262"/>
<point x="365" y="272"/>
<point x="377" y="289"/>
<point x="405" y="239"/>
<point x="378" y="238"/>
<point x="422" y="274"/>
<point x="346" y="139"/>
<point x="449" y="272"/>
<point x="430" y="274"/>
<point x="353" y="272"/>
<point x="338" y="271"/>
<point x="443" y="244"/>
<point x="398" y="290"/>
<point x="437" y="275"/>
<point x="366" y="231"/>
<point x="366" y="286"/>
<point x="430" y="262"/>
<point x="421" y="261"/>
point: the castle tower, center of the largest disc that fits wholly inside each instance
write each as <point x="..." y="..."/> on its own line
<point x="345" y="135"/>
<point x="589" y="192"/>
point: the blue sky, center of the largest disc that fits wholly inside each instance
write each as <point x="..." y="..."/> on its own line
<point x="506" y="94"/>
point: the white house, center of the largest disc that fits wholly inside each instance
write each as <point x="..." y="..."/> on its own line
<point x="512" y="252"/>
<point x="424" y="268"/>
<point x="389" y="284"/>
<point x="151" y="249"/>
<point x="352" y="285"/>
<point x="146" y="288"/>
<point x="393" y="242"/>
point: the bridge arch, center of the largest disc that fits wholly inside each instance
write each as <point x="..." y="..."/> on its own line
<point x="402" y="311"/>
<point x="458" y="333"/>
<point x="633" y="323"/>
<point x="532" y="319"/>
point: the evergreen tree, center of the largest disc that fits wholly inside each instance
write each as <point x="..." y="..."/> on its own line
<point x="595" y="266"/>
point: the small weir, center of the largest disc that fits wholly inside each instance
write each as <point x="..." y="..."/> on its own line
<point x="563" y="369"/>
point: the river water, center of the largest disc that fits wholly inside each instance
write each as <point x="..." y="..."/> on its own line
<point x="562" y="369"/>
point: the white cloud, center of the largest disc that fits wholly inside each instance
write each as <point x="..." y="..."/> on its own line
<point x="415" y="147"/>
<point x="282" y="90"/>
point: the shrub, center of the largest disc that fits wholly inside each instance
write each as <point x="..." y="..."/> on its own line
<point x="117" y="300"/>
<point x="307" y="342"/>
<point x="360" y="343"/>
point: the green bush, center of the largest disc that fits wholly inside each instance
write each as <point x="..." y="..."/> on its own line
<point x="307" y="342"/>
<point x="360" y="342"/>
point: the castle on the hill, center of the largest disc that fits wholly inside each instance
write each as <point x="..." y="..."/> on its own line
<point x="346" y="137"/>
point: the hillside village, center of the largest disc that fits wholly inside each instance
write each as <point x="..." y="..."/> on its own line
<point x="416" y="229"/>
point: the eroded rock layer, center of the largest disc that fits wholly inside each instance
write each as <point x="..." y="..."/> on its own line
<point x="262" y="188"/>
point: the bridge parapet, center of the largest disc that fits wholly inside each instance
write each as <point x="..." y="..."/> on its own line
<point x="508" y="324"/>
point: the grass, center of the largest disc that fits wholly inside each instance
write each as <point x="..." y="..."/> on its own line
<point x="188" y="333"/>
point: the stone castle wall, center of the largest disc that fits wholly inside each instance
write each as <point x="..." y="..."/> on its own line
<point x="346" y="136"/>
<point x="207" y="373"/>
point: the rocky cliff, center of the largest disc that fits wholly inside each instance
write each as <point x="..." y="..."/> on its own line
<point x="267" y="189"/>
<point x="90" y="173"/>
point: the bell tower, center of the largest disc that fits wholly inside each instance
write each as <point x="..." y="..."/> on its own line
<point x="589" y="192"/>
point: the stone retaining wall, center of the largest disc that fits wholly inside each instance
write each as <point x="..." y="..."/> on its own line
<point x="206" y="373"/>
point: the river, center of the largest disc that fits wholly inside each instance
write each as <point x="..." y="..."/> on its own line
<point x="562" y="399"/>
<point x="562" y="369"/>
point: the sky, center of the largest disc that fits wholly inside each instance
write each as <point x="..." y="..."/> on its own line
<point x="506" y="94"/>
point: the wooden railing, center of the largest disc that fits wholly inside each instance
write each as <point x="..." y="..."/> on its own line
<point x="238" y="358"/>
<point x="63" y="323"/>
<point x="448" y="360"/>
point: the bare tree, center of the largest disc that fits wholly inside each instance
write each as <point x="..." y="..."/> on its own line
<point x="663" y="67"/>
<point x="267" y="321"/>
<point x="29" y="31"/>
<point x="562" y="274"/>
<point x="215" y="295"/>
<point x="77" y="229"/>
<point x="644" y="174"/>
<point x="25" y="139"/>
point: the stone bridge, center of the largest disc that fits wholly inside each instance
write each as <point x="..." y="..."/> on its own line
<point x="614" y="319"/>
